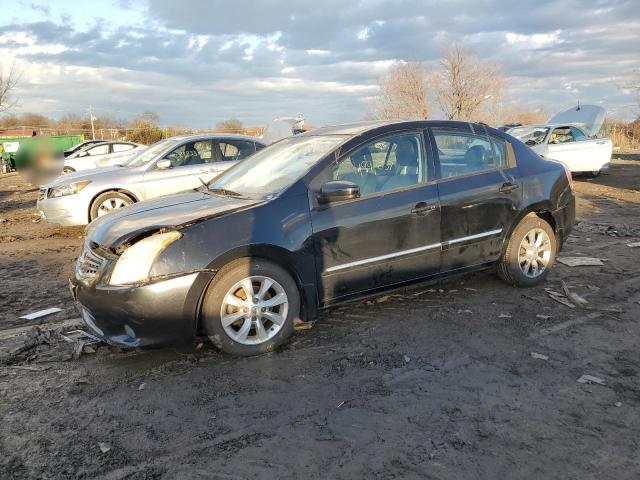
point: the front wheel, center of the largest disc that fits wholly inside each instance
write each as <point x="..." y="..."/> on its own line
<point x="593" y="173"/>
<point x="250" y="307"/>
<point x="530" y="253"/>
<point x="108" y="202"/>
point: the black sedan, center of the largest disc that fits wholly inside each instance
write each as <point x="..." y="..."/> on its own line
<point x="319" y="218"/>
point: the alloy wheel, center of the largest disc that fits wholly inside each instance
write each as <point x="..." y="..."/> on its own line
<point x="534" y="253"/>
<point x="254" y="310"/>
<point x="111" y="204"/>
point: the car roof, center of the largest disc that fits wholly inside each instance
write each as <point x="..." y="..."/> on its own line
<point x="234" y="136"/>
<point x="550" y="125"/>
<point x="358" y="128"/>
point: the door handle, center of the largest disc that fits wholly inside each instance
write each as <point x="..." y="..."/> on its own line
<point x="508" y="187"/>
<point x="422" y="208"/>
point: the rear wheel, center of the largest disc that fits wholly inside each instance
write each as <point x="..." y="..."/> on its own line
<point x="250" y="307"/>
<point x="593" y="173"/>
<point x="66" y="170"/>
<point x="108" y="202"/>
<point x="530" y="253"/>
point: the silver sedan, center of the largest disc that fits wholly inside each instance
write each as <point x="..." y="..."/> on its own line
<point x="168" y="166"/>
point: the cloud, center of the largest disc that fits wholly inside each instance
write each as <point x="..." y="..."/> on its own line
<point x="199" y="61"/>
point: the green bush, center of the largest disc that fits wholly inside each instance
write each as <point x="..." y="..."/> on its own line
<point x="146" y="134"/>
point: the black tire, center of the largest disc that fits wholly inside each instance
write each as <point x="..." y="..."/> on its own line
<point x="100" y="199"/>
<point x="224" y="281"/>
<point x="592" y="174"/>
<point x="66" y="170"/>
<point x="509" y="267"/>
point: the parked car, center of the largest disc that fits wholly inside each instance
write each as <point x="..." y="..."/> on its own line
<point x="101" y="155"/>
<point x="81" y="146"/>
<point x="168" y="166"/>
<point x="572" y="138"/>
<point x="320" y="218"/>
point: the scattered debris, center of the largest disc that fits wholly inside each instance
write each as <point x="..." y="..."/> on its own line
<point x="142" y="386"/>
<point x="29" y="368"/>
<point x="590" y="379"/>
<point x="633" y="245"/>
<point x="580" y="261"/>
<point x="104" y="447"/>
<point x="383" y="298"/>
<point x="618" y="404"/>
<point x="340" y="404"/>
<point x="576" y="299"/>
<point x="3" y="220"/>
<point x="41" y="313"/>
<point x="406" y="358"/>
<point x="300" y="326"/>
<point x="543" y="317"/>
<point x="539" y="356"/>
<point x="559" y="297"/>
<point x="504" y="315"/>
<point x="199" y="346"/>
<point x="622" y="230"/>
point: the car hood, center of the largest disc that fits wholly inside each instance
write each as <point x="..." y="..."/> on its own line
<point x="93" y="174"/>
<point x="176" y="210"/>
<point x="590" y="117"/>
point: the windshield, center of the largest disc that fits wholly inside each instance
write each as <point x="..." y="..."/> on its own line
<point x="275" y="168"/>
<point x="150" y="153"/>
<point x="529" y="135"/>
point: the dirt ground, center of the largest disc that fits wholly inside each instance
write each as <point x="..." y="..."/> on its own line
<point x="434" y="381"/>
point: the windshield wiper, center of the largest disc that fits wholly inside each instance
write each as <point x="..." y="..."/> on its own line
<point x="220" y="191"/>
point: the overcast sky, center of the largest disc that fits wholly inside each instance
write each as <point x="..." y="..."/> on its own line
<point x="196" y="62"/>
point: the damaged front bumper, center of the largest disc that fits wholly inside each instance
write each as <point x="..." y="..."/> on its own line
<point x="153" y="313"/>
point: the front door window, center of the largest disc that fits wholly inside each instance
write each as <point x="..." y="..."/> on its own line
<point x="388" y="163"/>
<point x="191" y="153"/>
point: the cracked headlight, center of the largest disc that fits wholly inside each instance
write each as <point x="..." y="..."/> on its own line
<point x="68" y="189"/>
<point x="135" y="263"/>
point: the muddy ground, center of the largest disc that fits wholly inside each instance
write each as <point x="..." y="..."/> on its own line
<point x="434" y="381"/>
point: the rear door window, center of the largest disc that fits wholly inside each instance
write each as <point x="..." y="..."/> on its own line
<point x="561" y="135"/>
<point x="122" y="147"/>
<point x="231" y="149"/>
<point x="465" y="153"/>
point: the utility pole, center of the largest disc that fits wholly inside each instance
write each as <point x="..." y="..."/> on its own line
<point x="92" y="118"/>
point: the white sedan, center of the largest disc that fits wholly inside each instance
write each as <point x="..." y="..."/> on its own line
<point x="571" y="137"/>
<point x="103" y="154"/>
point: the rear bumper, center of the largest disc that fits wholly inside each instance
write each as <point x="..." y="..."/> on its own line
<point x="158" y="313"/>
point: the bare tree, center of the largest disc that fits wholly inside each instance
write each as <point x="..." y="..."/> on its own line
<point x="524" y="114"/>
<point x="466" y="87"/>
<point x="403" y="93"/>
<point x="231" y="125"/>
<point x="8" y="80"/>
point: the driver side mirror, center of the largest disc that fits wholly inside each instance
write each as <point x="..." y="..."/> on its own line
<point x="338" y="191"/>
<point x="163" y="164"/>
